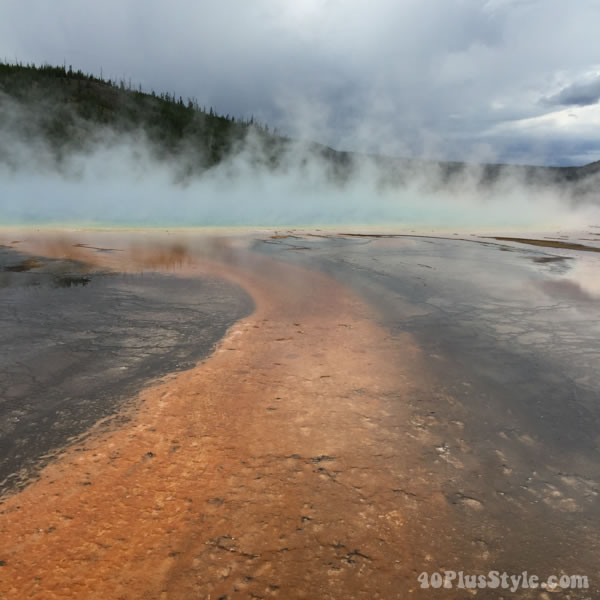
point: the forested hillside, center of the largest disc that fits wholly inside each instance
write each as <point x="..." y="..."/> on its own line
<point x="69" y="111"/>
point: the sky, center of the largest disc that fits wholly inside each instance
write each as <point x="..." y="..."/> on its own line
<point x="485" y="80"/>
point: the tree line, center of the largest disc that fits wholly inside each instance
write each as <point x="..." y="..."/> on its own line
<point x="65" y="106"/>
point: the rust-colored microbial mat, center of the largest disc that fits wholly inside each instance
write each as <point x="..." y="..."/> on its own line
<point x="277" y="468"/>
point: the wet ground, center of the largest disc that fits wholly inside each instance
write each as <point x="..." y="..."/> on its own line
<point x="76" y="343"/>
<point x="512" y="341"/>
<point x="394" y="405"/>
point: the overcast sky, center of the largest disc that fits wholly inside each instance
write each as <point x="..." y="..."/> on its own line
<point x="509" y="80"/>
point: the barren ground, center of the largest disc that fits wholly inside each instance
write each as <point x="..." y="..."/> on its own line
<point x="279" y="467"/>
<point x="392" y="406"/>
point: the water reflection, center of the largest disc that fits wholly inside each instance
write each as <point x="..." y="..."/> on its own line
<point x="511" y="340"/>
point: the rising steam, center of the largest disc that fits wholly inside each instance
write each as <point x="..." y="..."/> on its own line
<point x="114" y="179"/>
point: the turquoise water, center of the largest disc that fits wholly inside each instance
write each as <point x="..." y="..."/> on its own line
<point x="123" y="197"/>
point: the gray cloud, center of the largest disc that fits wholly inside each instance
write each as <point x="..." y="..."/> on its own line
<point x="577" y="94"/>
<point x="419" y="77"/>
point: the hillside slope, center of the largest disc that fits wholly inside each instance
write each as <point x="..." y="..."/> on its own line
<point x="69" y="111"/>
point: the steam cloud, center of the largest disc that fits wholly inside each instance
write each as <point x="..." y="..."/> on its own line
<point x="115" y="179"/>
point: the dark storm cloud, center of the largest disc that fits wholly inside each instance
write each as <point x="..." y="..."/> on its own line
<point x="421" y="77"/>
<point x="577" y="94"/>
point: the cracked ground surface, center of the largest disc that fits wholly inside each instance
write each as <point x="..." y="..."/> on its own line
<point x="75" y="343"/>
<point x="328" y="449"/>
<point x="262" y="472"/>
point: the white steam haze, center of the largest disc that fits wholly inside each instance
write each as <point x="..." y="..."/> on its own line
<point x="512" y="81"/>
<point x="120" y="182"/>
